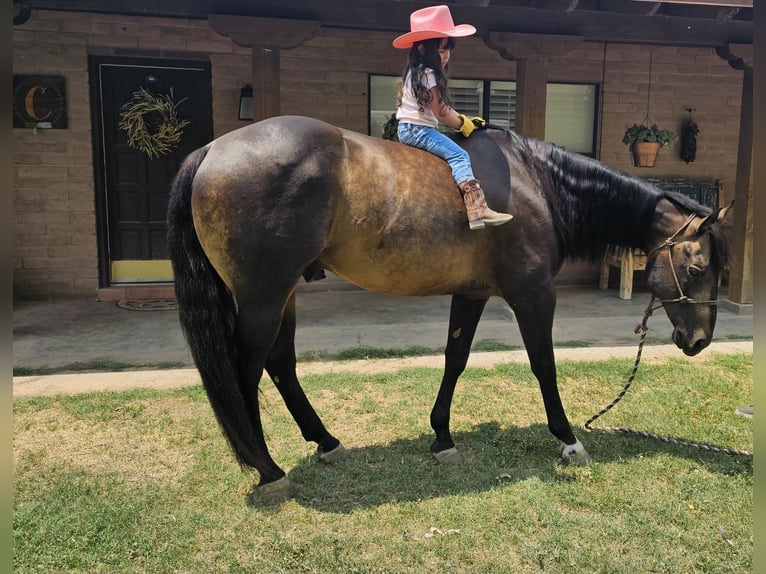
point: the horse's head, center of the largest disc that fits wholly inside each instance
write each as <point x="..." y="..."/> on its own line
<point x="684" y="272"/>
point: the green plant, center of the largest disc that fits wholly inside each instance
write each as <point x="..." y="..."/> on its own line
<point x="642" y="134"/>
<point x="390" y="129"/>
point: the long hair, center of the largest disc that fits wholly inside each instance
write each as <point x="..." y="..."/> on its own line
<point x="598" y="205"/>
<point x="207" y="313"/>
<point x="416" y="68"/>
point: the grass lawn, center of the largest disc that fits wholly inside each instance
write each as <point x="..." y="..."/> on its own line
<point x="143" y="481"/>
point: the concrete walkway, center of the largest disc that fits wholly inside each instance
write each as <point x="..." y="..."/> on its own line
<point x="589" y="324"/>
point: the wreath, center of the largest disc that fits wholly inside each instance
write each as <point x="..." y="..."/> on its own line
<point x="152" y="122"/>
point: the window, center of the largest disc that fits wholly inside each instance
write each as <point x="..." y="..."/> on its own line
<point x="382" y="92"/>
<point x="570" y="115"/>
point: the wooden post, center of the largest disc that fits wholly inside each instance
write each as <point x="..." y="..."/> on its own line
<point x="266" y="37"/>
<point x="531" y="52"/>
<point x="740" y="57"/>
<point x="741" y="272"/>
<point x="531" y="95"/>
<point x="266" y="82"/>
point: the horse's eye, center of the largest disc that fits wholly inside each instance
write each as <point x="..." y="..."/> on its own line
<point x="694" y="270"/>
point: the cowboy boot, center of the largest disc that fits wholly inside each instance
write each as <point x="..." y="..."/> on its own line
<point x="479" y="213"/>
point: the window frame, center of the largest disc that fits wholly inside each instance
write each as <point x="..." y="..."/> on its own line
<point x="486" y="101"/>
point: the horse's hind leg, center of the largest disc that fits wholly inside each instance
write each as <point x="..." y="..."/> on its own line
<point x="280" y="364"/>
<point x="535" y="319"/>
<point x="256" y="329"/>
<point x="464" y="318"/>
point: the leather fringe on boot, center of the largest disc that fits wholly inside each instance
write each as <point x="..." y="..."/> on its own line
<point x="479" y="214"/>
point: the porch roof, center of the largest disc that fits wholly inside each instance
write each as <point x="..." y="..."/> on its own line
<point x="673" y="22"/>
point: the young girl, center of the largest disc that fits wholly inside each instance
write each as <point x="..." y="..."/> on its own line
<point x="425" y="101"/>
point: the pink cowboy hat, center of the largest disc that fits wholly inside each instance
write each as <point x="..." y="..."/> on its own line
<point x="432" y="22"/>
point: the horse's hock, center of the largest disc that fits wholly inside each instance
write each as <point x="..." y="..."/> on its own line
<point x="630" y="260"/>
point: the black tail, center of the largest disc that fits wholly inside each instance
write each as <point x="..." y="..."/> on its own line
<point x="208" y="314"/>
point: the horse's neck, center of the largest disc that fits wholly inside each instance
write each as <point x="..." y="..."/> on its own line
<point x="668" y="220"/>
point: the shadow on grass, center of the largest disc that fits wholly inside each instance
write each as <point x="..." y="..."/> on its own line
<point x="405" y="470"/>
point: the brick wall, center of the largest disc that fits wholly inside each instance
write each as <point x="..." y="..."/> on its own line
<point x="55" y="243"/>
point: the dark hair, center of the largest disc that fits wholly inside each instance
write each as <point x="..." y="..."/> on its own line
<point x="417" y="64"/>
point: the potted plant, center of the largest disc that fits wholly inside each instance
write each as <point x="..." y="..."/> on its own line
<point x="645" y="143"/>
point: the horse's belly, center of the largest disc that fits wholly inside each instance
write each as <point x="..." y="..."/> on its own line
<point x="414" y="271"/>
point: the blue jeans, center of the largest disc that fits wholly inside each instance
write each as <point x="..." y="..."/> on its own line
<point x="435" y="142"/>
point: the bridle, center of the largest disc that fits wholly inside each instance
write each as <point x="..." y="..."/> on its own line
<point x="669" y="243"/>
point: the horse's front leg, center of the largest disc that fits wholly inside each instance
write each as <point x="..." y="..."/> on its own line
<point x="464" y="318"/>
<point x="535" y="318"/>
<point x="280" y="365"/>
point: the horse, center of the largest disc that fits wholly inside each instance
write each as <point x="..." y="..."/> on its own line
<point x="256" y="210"/>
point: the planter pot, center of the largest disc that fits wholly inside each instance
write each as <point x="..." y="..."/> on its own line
<point x="645" y="153"/>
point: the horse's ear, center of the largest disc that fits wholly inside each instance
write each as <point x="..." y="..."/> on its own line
<point x="698" y="226"/>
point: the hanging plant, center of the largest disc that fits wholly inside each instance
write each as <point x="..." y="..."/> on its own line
<point x="645" y="143"/>
<point x="689" y="131"/>
<point x="152" y="123"/>
<point x="642" y="134"/>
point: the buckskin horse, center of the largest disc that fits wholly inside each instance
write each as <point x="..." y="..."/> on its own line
<point x="257" y="209"/>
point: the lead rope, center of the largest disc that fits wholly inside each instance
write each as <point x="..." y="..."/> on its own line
<point x="627" y="430"/>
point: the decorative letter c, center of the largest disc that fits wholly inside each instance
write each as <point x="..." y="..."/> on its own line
<point x="29" y="102"/>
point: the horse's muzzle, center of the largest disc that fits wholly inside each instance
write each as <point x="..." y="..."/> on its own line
<point x="690" y="345"/>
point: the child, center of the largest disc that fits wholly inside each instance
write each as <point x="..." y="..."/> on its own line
<point x="425" y="100"/>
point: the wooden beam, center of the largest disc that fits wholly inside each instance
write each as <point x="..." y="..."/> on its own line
<point x="736" y="3"/>
<point x="741" y="272"/>
<point x="539" y="46"/>
<point x="248" y="31"/>
<point x="531" y="96"/>
<point x="266" y="82"/>
<point x="531" y="51"/>
<point x="726" y="14"/>
<point x="739" y="56"/>
<point x="266" y="37"/>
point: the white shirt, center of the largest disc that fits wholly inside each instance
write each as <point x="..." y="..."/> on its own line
<point x="408" y="110"/>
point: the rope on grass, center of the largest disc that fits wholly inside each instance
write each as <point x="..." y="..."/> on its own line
<point x="627" y="430"/>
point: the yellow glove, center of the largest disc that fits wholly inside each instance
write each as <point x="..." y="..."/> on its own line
<point x="470" y="124"/>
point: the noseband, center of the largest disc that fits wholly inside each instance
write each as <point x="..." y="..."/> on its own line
<point x="682" y="298"/>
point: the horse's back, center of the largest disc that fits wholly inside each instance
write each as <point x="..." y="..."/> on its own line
<point x="288" y="191"/>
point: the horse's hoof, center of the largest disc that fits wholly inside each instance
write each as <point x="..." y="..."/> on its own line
<point x="336" y="454"/>
<point x="449" y="456"/>
<point x="575" y="453"/>
<point x="277" y="491"/>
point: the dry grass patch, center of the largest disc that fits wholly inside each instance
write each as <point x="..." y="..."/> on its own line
<point x="139" y="445"/>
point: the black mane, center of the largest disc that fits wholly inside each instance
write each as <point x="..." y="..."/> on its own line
<point x="599" y="205"/>
<point x="595" y="205"/>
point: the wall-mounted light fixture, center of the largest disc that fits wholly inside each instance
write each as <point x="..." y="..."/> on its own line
<point x="246" y="103"/>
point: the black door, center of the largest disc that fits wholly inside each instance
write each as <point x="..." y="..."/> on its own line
<point x="132" y="181"/>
